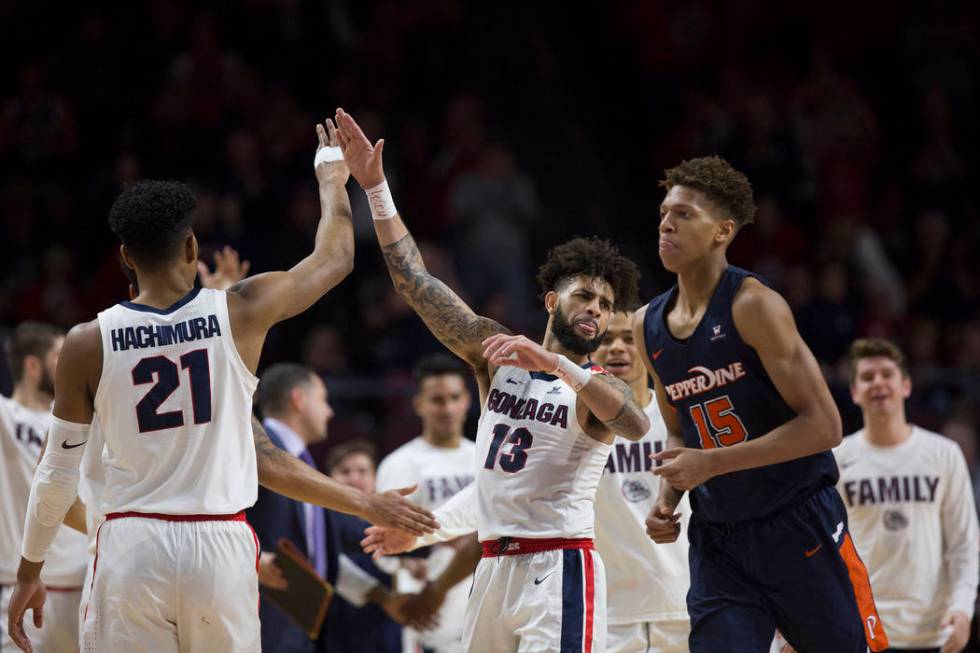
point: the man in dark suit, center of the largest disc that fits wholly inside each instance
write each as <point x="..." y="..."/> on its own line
<point x="294" y="402"/>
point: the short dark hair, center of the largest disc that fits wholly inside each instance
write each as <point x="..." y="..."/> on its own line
<point x="151" y="218"/>
<point x="872" y="348"/>
<point x="343" y="451"/>
<point x="592" y="257"/>
<point x="276" y="384"/>
<point x="438" y="364"/>
<point x="31" y="339"/>
<point x="724" y="185"/>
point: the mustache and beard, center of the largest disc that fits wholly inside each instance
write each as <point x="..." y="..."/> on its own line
<point x="562" y="329"/>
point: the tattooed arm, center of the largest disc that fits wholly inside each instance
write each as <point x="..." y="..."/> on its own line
<point x="447" y="316"/>
<point x="291" y="477"/>
<point x="612" y="404"/>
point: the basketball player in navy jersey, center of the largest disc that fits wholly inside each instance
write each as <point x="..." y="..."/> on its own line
<point x="750" y="424"/>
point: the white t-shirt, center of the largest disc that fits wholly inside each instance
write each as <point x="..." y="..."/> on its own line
<point x="22" y="433"/>
<point x="912" y="516"/>
<point x="175" y="406"/>
<point x="645" y="581"/>
<point x="440" y="472"/>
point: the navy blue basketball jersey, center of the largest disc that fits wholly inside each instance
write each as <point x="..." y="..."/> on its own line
<point x="723" y="396"/>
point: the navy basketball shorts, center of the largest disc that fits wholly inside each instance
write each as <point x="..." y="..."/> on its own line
<point x="797" y="571"/>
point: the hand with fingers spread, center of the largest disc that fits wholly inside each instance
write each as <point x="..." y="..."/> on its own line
<point x="27" y="595"/>
<point x="663" y="524"/>
<point x="392" y="510"/>
<point x="330" y="172"/>
<point x="380" y="542"/>
<point x="503" y="349"/>
<point x="684" y="468"/>
<point x="363" y="158"/>
<point x="229" y="269"/>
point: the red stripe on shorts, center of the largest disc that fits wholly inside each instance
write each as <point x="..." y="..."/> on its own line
<point x="515" y="546"/>
<point x="589" y="598"/>
<point x="238" y="516"/>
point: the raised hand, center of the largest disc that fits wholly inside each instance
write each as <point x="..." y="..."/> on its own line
<point x="363" y="159"/>
<point x="503" y="349"/>
<point x="380" y="542"/>
<point x="392" y="510"/>
<point x="26" y="596"/>
<point x="229" y="269"/>
<point x="684" y="468"/>
<point x="330" y="171"/>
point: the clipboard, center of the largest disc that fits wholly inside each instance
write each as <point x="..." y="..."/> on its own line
<point x="308" y="596"/>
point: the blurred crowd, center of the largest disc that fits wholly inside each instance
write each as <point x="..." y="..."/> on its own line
<point x="509" y="129"/>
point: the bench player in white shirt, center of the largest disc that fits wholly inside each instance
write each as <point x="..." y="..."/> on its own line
<point x="910" y="508"/>
<point x="646" y="582"/>
<point x="171" y="378"/>
<point x="545" y="432"/>
<point x="440" y="462"/>
<point x="24" y="420"/>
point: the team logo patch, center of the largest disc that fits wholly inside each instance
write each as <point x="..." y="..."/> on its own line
<point x="716" y="333"/>
<point x="895" y="520"/>
<point x="636" y="491"/>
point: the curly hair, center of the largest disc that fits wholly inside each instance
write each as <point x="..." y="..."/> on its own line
<point x="716" y="178"/>
<point x="592" y="257"/>
<point x="151" y="218"/>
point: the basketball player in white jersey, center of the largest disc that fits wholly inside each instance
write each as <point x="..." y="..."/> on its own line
<point x="440" y="462"/>
<point x="171" y="377"/>
<point x="545" y="432"/>
<point x="646" y="582"/>
<point x="24" y="420"/>
<point x="910" y="508"/>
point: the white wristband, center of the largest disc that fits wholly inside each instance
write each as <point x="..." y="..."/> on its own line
<point x="381" y="203"/>
<point x="327" y="155"/>
<point x="571" y="373"/>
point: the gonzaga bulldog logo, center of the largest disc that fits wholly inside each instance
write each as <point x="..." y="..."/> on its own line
<point x="635" y="491"/>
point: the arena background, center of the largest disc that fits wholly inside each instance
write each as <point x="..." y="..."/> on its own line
<point x="508" y="130"/>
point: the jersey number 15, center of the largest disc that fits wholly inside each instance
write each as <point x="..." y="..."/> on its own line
<point x="718" y="425"/>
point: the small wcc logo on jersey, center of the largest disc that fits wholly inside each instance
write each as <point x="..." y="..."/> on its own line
<point x="716" y="333"/>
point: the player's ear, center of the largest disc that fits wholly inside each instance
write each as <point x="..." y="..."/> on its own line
<point x="550" y="301"/>
<point x="725" y="232"/>
<point x="126" y="258"/>
<point x="906" y="386"/>
<point x="191" y="249"/>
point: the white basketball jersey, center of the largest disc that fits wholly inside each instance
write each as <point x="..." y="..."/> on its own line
<point x="911" y="512"/>
<point x="175" y="405"/>
<point x="22" y="433"/>
<point x="645" y="581"/>
<point x="440" y="473"/>
<point x="537" y="470"/>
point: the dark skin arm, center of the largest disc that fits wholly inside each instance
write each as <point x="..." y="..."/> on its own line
<point x="663" y="524"/>
<point x="423" y="607"/>
<point x="258" y="302"/>
<point x="291" y="477"/>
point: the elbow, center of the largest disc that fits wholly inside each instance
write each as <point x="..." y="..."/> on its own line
<point x="636" y="428"/>
<point x="832" y="432"/>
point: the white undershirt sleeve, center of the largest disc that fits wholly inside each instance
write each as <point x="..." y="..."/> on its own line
<point x="353" y="583"/>
<point x="961" y="540"/>
<point x="54" y="487"/>
<point x="457" y="517"/>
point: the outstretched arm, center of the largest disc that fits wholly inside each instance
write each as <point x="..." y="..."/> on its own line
<point x="291" y="477"/>
<point x="258" y="302"/>
<point x="447" y="316"/>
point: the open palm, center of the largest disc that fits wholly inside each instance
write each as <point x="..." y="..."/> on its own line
<point x="363" y="159"/>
